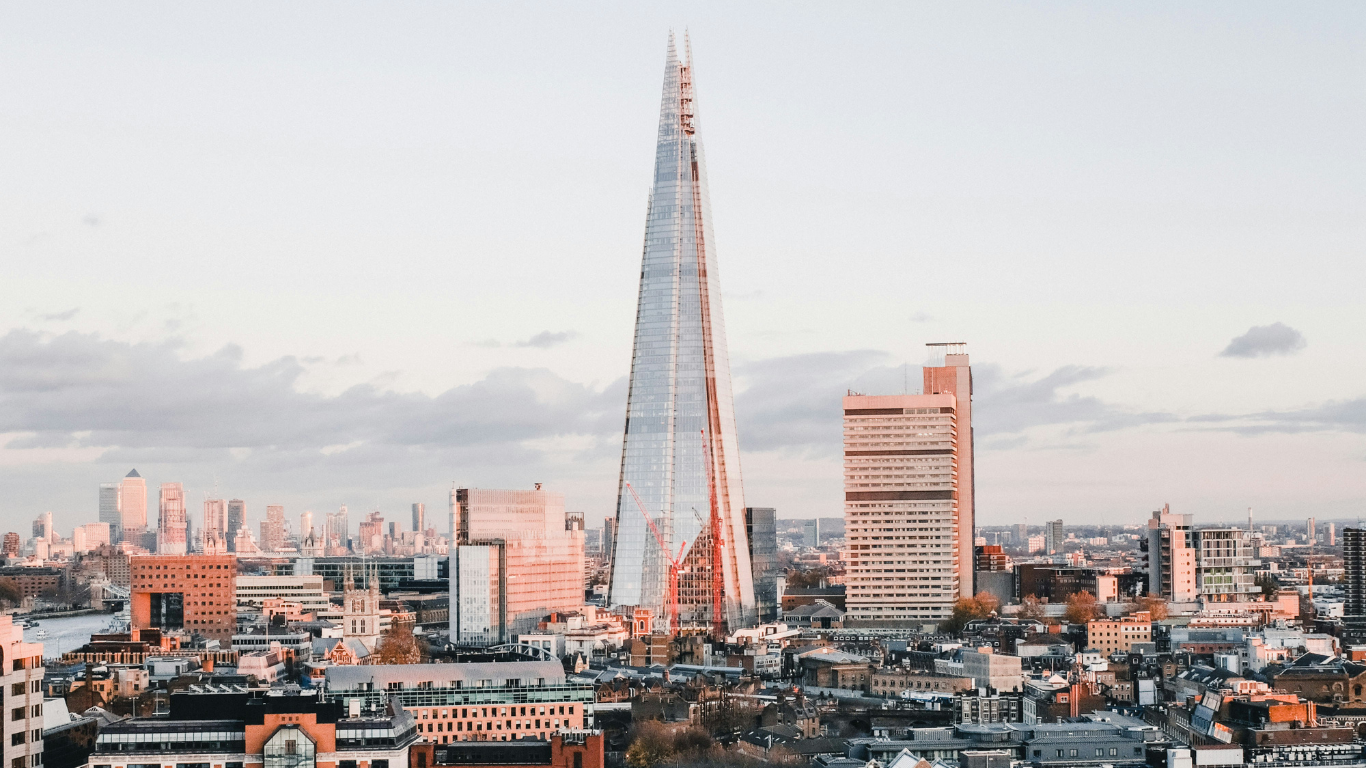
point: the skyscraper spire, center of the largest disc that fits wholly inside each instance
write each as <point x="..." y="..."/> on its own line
<point x="680" y="418"/>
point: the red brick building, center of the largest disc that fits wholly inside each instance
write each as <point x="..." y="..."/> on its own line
<point x="196" y="593"/>
<point x="575" y="749"/>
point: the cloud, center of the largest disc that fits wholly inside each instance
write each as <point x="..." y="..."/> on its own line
<point x="83" y="391"/>
<point x="921" y="317"/>
<point x="547" y="339"/>
<point x="60" y="316"/>
<point x="1335" y="416"/>
<point x="1266" y="340"/>
<point x="91" y="220"/>
<point x="793" y="403"/>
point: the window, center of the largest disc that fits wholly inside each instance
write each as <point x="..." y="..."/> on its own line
<point x="17" y="689"/>
<point x="38" y="686"/>
<point x="17" y="714"/>
<point x="379" y="764"/>
<point x="578" y="760"/>
<point x="1113" y="751"/>
<point x="1072" y="753"/>
<point x="17" y="762"/>
<point x="17" y="739"/>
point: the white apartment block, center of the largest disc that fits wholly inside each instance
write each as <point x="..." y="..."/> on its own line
<point x="901" y="512"/>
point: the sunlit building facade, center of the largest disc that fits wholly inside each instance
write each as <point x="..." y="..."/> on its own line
<point x="908" y="514"/>
<point x="680" y="418"/>
<point x="172" y="524"/>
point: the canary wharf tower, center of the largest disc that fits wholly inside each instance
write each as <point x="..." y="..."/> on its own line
<point x="680" y="416"/>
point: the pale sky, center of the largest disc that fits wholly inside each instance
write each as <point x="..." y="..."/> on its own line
<point x="331" y="253"/>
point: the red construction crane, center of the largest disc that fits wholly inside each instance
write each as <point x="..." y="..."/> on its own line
<point x="718" y="621"/>
<point x="675" y="564"/>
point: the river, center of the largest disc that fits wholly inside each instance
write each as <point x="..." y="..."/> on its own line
<point x="66" y="633"/>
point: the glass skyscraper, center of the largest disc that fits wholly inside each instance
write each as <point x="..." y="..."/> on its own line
<point x="680" y="417"/>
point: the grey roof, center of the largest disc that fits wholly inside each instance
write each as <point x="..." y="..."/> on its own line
<point x="443" y="675"/>
<point x="133" y="473"/>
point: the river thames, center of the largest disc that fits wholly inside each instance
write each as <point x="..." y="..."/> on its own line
<point x="66" y="633"/>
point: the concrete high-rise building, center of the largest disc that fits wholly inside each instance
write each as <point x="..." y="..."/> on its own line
<point x="12" y="545"/>
<point x="1021" y="534"/>
<point x="419" y="517"/>
<point x="237" y="517"/>
<point x="109" y="511"/>
<point x="305" y="524"/>
<point x="1309" y="537"/>
<point x="172" y="524"/>
<point x="1225" y="565"/>
<point x="1053" y="536"/>
<point x="89" y="536"/>
<point x="609" y="528"/>
<point x="515" y="557"/>
<point x="273" y="529"/>
<point x="1172" y="552"/>
<point x="908" y="468"/>
<point x="1354" y="573"/>
<point x="371" y="533"/>
<point x="680" y="438"/>
<point x="811" y="533"/>
<point x="1332" y="534"/>
<point x="761" y="528"/>
<point x="133" y="503"/>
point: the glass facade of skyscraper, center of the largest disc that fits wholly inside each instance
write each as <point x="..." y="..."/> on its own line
<point x="680" y="422"/>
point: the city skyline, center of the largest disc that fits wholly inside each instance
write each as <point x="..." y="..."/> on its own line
<point x="1101" y="226"/>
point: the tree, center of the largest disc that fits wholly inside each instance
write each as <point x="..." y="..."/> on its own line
<point x="1154" y="605"/>
<point x="652" y="745"/>
<point x="1268" y="584"/>
<point x="1031" y="609"/>
<point x="9" y="593"/>
<point x="1081" y="608"/>
<point x="966" y="609"/>
<point x="398" y="646"/>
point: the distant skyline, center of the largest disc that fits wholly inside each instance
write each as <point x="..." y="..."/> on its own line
<point x="344" y="253"/>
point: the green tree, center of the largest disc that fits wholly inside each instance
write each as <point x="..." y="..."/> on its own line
<point x="652" y="745"/>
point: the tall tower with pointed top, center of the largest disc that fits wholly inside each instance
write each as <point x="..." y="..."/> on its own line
<point x="680" y="440"/>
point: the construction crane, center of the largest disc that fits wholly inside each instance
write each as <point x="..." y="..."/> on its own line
<point x="718" y="621"/>
<point x="675" y="563"/>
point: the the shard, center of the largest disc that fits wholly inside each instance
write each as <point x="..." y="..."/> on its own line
<point x="680" y="416"/>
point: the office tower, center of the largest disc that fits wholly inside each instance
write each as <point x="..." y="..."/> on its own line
<point x="214" y="529"/>
<point x="133" y="502"/>
<point x="172" y="525"/>
<point x="761" y="529"/>
<point x="1309" y="532"/>
<point x="273" y="529"/>
<point x="1053" y="536"/>
<point x="516" y="557"/>
<point x="371" y="533"/>
<point x="42" y="526"/>
<point x="1022" y="534"/>
<point x="811" y="533"/>
<point x="89" y="536"/>
<point x="1354" y="572"/>
<point x="237" y="517"/>
<point x="338" y="532"/>
<point x="609" y="528"/>
<point x="419" y="516"/>
<point x="305" y="525"/>
<point x="1171" y="556"/>
<point x="196" y="593"/>
<point x="680" y="440"/>
<point x="109" y="511"/>
<point x="1332" y="534"/>
<point x="906" y="464"/>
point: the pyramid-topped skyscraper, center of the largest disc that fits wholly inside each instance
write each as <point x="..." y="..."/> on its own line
<point x="680" y="455"/>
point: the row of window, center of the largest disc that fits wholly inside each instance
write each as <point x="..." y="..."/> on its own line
<point x="18" y="713"/>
